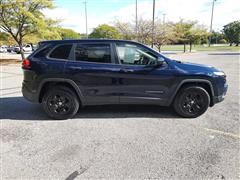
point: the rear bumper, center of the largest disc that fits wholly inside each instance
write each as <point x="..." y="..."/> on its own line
<point x="28" y="94"/>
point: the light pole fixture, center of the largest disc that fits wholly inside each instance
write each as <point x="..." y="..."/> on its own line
<point x="85" y="3"/>
<point x="210" y="36"/>
<point x="153" y="23"/>
<point x="164" y="18"/>
<point x="136" y="28"/>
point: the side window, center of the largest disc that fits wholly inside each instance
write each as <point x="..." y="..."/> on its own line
<point x="99" y="53"/>
<point x="134" y="55"/>
<point x="43" y="51"/>
<point x="61" y="52"/>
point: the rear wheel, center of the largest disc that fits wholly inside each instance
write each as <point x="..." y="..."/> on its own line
<point x="191" y="101"/>
<point x="60" y="103"/>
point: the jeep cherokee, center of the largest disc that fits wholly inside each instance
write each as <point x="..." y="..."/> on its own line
<point x="66" y="74"/>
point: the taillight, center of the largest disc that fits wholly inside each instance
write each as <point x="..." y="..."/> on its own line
<point x="26" y="64"/>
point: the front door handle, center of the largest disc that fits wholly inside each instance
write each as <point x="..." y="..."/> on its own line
<point x="125" y="70"/>
<point x="75" y="68"/>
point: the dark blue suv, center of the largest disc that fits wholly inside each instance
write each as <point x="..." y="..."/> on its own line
<point x="64" y="75"/>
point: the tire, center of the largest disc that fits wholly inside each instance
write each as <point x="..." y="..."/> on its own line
<point x="60" y="103"/>
<point x="191" y="101"/>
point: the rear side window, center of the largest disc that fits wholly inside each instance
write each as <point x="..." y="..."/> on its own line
<point x="43" y="52"/>
<point x="99" y="53"/>
<point x="61" y="52"/>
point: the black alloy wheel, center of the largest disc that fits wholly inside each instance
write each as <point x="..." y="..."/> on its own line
<point x="191" y="101"/>
<point x="60" y="103"/>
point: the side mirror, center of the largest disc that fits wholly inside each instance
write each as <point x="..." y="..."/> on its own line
<point x="159" y="63"/>
<point x="156" y="64"/>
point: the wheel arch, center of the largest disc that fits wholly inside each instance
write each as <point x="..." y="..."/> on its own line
<point x="206" y="84"/>
<point x="48" y="83"/>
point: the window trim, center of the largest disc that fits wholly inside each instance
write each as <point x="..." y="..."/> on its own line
<point x="56" y="46"/>
<point x="113" y="57"/>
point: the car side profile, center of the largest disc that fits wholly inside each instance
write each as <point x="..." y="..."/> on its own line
<point x="67" y="74"/>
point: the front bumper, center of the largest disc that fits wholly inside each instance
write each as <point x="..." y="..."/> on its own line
<point x="220" y="98"/>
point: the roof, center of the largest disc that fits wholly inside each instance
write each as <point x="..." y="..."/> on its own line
<point x="84" y="40"/>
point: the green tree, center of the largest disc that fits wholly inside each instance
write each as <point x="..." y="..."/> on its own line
<point x="182" y="31"/>
<point x="23" y="17"/>
<point x="217" y="37"/>
<point x="3" y="36"/>
<point x="144" y="31"/>
<point x="6" y="39"/>
<point x="196" y="35"/>
<point x="32" y="39"/>
<point x="68" y="33"/>
<point x="105" y="31"/>
<point x="163" y="34"/>
<point x="232" y="32"/>
<point x="126" y="30"/>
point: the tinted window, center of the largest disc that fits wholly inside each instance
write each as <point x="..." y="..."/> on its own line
<point x="43" y="51"/>
<point x="135" y="55"/>
<point x="61" y="52"/>
<point x="99" y="53"/>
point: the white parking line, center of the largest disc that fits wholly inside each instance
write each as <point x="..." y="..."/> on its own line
<point x="222" y="133"/>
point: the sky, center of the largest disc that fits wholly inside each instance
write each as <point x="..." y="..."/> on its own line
<point x="72" y="12"/>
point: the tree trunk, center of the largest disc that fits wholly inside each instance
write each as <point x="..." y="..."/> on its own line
<point x="159" y="48"/>
<point x="21" y="46"/>
<point x="184" y="47"/>
<point x="237" y="44"/>
<point x="21" y="50"/>
<point x="190" y="47"/>
<point x="230" y="44"/>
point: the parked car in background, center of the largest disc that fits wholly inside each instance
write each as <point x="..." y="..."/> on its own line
<point x="3" y="49"/>
<point x="64" y="75"/>
<point x="26" y="48"/>
<point x="10" y="48"/>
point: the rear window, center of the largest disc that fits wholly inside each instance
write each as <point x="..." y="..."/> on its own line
<point x="99" y="53"/>
<point x="61" y="52"/>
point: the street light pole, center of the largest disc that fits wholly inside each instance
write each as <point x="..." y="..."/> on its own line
<point x="153" y="23"/>
<point x="85" y="3"/>
<point x="136" y="28"/>
<point x="210" y="36"/>
<point x="164" y="16"/>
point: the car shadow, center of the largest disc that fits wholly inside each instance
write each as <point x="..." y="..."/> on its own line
<point x="17" y="108"/>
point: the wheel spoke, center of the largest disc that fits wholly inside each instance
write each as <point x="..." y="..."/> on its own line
<point x="192" y="103"/>
<point x="59" y="104"/>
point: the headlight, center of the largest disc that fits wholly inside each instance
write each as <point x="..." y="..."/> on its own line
<point x="220" y="73"/>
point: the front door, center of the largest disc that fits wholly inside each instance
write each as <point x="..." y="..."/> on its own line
<point x="140" y="82"/>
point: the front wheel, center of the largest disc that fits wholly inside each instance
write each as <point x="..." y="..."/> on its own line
<point x="60" y="103"/>
<point x="191" y="101"/>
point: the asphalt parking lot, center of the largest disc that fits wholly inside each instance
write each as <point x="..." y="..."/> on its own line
<point x="121" y="142"/>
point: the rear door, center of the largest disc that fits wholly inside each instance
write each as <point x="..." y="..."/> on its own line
<point x="94" y="69"/>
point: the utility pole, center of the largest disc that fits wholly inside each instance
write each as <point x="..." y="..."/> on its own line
<point x="153" y="23"/>
<point x="210" y="37"/>
<point x="85" y="3"/>
<point x="164" y="17"/>
<point x="136" y="28"/>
